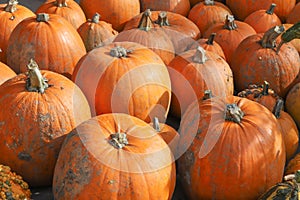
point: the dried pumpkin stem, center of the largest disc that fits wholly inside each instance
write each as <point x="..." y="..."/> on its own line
<point x="266" y="87"/>
<point x="96" y="18"/>
<point x="200" y="55"/>
<point x="230" y="23"/>
<point x="269" y="37"/>
<point x="118" y="140"/>
<point x="278" y="107"/>
<point x="207" y="95"/>
<point x="295" y="176"/>
<point x="210" y="40"/>
<point x="289" y="35"/>
<point x="209" y="2"/>
<point x="11" y="6"/>
<point x="119" y="52"/>
<point x="35" y="82"/>
<point x="146" y="22"/>
<point x="233" y="113"/>
<point x="156" y="125"/>
<point x="42" y="17"/>
<point x="270" y="11"/>
<point x="162" y="19"/>
<point x="61" y="3"/>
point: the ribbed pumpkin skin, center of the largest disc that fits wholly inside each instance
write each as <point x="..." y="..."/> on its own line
<point x="5" y="73"/>
<point x="115" y="12"/>
<point x="253" y="64"/>
<point x="292" y="103"/>
<point x="190" y="79"/>
<point x="293" y="16"/>
<point x="181" y="7"/>
<point x="205" y="16"/>
<point x="90" y="167"/>
<point x="8" y="22"/>
<point x="34" y="125"/>
<point x="72" y="12"/>
<point x="138" y="84"/>
<point x="227" y="160"/>
<point x="55" y="45"/>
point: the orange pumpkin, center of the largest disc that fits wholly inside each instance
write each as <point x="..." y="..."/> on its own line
<point x="95" y="33"/>
<point x="295" y="42"/>
<point x="115" y="12"/>
<point x="68" y="9"/>
<point x="194" y="2"/>
<point x="11" y="14"/>
<point x="5" y="73"/>
<point x="262" y="20"/>
<point x="233" y="149"/>
<point x="293" y="16"/>
<point x="293" y="165"/>
<point x="125" y="77"/>
<point x="292" y="103"/>
<point x="114" y="156"/>
<point x="50" y="40"/>
<point x="181" y="7"/>
<point x="45" y="107"/>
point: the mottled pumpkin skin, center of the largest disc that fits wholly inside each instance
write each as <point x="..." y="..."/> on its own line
<point x="226" y="160"/>
<point x="253" y="64"/>
<point x="292" y="103"/>
<point x="89" y="167"/>
<point x="33" y="125"/>
<point x="5" y="73"/>
<point x="138" y="84"/>
<point x="181" y="7"/>
<point x="72" y="12"/>
<point x="8" y="21"/>
<point x="115" y="12"/>
<point x="33" y="39"/>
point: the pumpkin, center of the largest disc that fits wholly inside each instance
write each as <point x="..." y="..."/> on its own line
<point x="262" y="20"/>
<point x="236" y="157"/>
<point x="293" y="16"/>
<point x="150" y="36"/>
<point x="295" y="42"/>
<point x="195" y="71"/>
<point x="208" y="44"/>
<point x="229" y="34"/>
<point x="125" y="77"/>
<point x="293" y="165"/>
<point x="95" y="33"/>
<point x="12" y="185"/>
<point x="262" y="94"/>
<point x="181" y="7"/>
<point x="114" y="156"/>
<point x="255" y="60"/>
<point x="289" y="129"/>
<point x="39" y="109"/>
<point x="180" y="29"/>
<point x="292" y="103"/>
<point x="207" y="13"/>
<point x="11" y="14"/>
<point x="115" y="12"/>
<point x="5" y="73"/>
<point x="194" y="2"/>
<point x="34" y="38"/>
<point x="68" y="9"/>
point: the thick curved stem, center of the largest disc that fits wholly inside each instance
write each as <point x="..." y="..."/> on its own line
<point x="233" y="113"/>
<point x="230" y="23"/>
<point x="162" y="19"/>
<point x="11" y="6"/>
<point x="119" y="52"/>
<point x="42" y="17"/>
<point x="146" y="22"/>
<point x="271" y="9"/>
<point x="118" y="140"/>
<point x="269" y="37"/>
<point x="200" y="55"/>
<point x="35" y="81"/>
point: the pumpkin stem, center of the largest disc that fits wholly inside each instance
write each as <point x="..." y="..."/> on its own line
<point x="200" y="55"/>
<point x="230" y="23"/>
<point x="271" y="9"/>
<point x="118" y="140"/>
<point x="35" y="82"/>
<point x="146" y="22"/>
<point x="96" y="18"/>
<point x="295" y="176"/>
<point x="11" y="6"/>
<point x="119" y="52"/>
<point x="278" y="107"/>
<point x="207" y="95"/>
<point x="233" y="113"/>
<point x="290" y="34"/>
<point x="266" y="87"/>
<point x="269" y="37"/>
<point x="210" y="40"/>
<point x="162" y="19"/>
<point x="61" y="3"/>
<point x="156" y="125"/>
<point x="42" y="17"/>
<point x="209" y="2"/>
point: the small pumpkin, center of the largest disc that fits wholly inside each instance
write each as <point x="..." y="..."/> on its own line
<point x="114" y="156"/>
<point x="95" y="32"/>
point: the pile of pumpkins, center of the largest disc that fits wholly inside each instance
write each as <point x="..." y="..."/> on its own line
<point x="126" y="99"/>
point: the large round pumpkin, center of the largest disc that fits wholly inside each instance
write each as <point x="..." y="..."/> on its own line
<point x="50" y="40"/>
<point x="5" y="73"/>
<point x="181" y="7"/>
<point x="292" y="103"/>
<point x="115" y="12"/>
<point x="233" y="149"/>
<point x="293" y="16"/>
<point x="11" y="14"/>
<point x="38" y="110"/>
<point x="114" y="156"/>
<point x="125" y="77"/>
